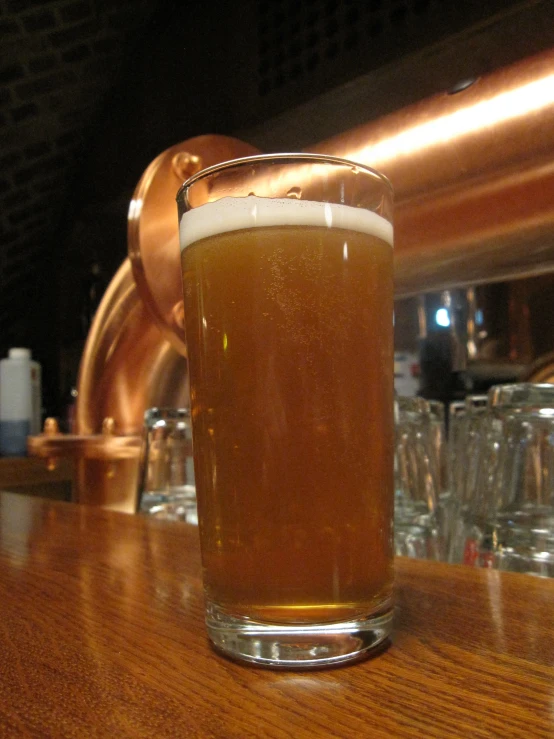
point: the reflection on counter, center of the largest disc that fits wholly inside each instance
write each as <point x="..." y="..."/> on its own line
<point x="106" y="465"/>
<point x="31" y="476"/>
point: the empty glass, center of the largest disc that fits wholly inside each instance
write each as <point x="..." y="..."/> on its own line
<point x="470" y="508"/>
<point x="522" y="485"/>
<point x="440" y="453"/>
<point x="455" y="454"/>
<point x="417" y="460"/>
<point x="506" y="513"/>
<point x="167" y="488"/>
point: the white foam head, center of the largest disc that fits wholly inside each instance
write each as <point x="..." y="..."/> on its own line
<point x="234" y="214"/>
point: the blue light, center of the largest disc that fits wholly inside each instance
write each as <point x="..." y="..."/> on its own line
<point x="442" y="318"/>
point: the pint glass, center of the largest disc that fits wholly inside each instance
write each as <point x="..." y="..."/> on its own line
<point x="288" y="295"/>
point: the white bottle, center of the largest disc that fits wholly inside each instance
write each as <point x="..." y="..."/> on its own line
<point x="15" y="402"/>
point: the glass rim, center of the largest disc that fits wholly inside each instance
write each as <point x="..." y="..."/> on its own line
<point x="525" y="414"/>
<point x="457" y="407"/>
<point x="166" y="414"/>
<point x="476" y="403"/>
<point x="411" y="407"/>
<point x="518" y="394"/>
<point x="283" y="157"/>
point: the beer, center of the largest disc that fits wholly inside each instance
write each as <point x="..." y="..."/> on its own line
<point x="288" y="309"/>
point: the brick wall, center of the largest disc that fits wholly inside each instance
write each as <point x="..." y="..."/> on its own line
<point x="58" y="61"/>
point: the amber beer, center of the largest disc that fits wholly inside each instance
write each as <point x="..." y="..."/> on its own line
<point x="289" y="338"/>
<point x="290" y="362"/>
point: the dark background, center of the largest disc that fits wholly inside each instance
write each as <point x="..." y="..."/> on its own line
<point x="93" y="90"/>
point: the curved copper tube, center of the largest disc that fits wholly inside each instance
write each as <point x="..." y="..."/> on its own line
<point x="127" y="364"/>
<point x="153" y="236"/>
<point x="134" y="354"/>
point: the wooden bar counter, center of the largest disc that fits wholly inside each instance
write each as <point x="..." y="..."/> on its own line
<point x="102" y="635"/>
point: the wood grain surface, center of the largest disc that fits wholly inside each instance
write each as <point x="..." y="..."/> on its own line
<point x="102" y="635"/>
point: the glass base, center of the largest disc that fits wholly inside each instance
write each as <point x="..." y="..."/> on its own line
<point x="297" y="646"/>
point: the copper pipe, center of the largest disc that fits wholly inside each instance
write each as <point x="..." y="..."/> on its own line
<point x="473" y="204"/>
<point x="127" y="365"/>
<point x="473" y="174"/>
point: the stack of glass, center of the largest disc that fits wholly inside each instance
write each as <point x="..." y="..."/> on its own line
<point x="502" y="476"/>
<point x="418" y="470"/>
<point x="485" y="498"/>
<point x="470" y="508"/>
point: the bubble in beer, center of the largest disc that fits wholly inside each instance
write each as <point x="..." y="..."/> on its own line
<point x="295" y="193"/>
